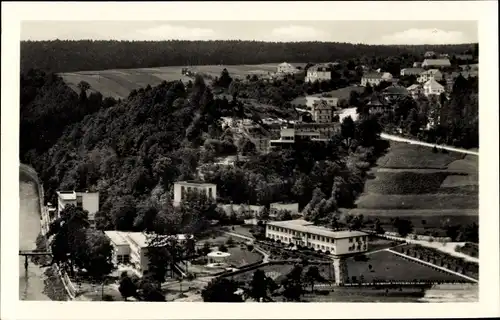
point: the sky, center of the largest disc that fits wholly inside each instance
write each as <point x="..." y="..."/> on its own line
<point x="368" y="32"/>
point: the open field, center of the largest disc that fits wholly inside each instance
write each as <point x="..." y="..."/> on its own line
<point x="118" y="83"/>
<point x="409" y="156"/>
<point x="427" y="188"/>
<point x="387" y="266"/>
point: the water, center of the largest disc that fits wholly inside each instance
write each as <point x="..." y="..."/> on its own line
<point x="31" y="283"/>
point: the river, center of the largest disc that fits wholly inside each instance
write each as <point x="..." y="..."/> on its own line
<point x="31" y="283"/>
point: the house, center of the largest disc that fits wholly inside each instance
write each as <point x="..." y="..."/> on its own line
<point x="275" y="207"/>
<point x="182" y="188"/>
<point x="411" y="71"/>
<point x="88" y="201"/>
<point x="319" y="72"/>
<point x="286" y="68"/>
<point x="395" y="92"/>
<point x="417" y="64"/>
<point x="436" y="63"/>
<point x="242" y="210"/>
<point x="429" y="54"/>
<point x="305" y="234"/>
<point x="315" y="98"/>
<point x="130" y="248"/>
<point x="321" y="112"/>
<point x="464" y="57"/>
<point x="375" y="78"/>
<point x="377" y="104"/>
<point x="415" y="90"/>
<point x="432" y="87"/>
<point x="309" y="131"/>
<point x="430" y="74"/>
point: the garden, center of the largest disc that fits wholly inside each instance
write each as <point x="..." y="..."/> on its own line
<point x="441" y="259"/>
<point x="385" y="266"/>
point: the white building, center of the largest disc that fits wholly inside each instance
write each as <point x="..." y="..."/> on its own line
<point x="286" y="68"/>
<point x="275" y="207"/>
<point x="375" y="78"/>
<point x="415" y="90"/>
<point x="432" y="87"/>
<point x="319" y="72"/>
<point x="181" y="188"/>
<point x="130" y="248"/>
<point x="436" y="63"/>
<point x="305" y="234"/>
<point x="321" y="112"/>
<point x="88" y="201"/>
<point x="430" y="74"/>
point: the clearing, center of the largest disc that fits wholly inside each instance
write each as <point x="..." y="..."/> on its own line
<point x="118" y="83"/>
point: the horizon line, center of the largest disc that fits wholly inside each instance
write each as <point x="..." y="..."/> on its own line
<point x="239" y="40"/>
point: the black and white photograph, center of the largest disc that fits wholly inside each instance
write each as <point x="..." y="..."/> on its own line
<point x="275" y="161"/>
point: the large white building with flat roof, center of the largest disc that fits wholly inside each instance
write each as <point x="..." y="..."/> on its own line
<point x="182" y="188"/>
<point x="305" y="234"/>
<point x="130" y="248"/>
<point x="88" y="201"/>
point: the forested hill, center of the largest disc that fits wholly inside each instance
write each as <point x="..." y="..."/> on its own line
<point x="88" y="55"/>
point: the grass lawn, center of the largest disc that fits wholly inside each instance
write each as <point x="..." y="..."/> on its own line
<point x="387" y="266"/>
<point x="403" y="155"/>
<point x="405" y="182"/>
<point x="241" y="257"/>
<point x="241" y="229"/>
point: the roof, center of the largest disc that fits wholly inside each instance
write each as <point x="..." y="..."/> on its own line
<point x="67" y="195"/>
<point x="433" y="84"/>
<point x="139" y="238"/>
<point x="305" y="226"/>
<point x="437" y="62"/>
<point x="414" y="87"/>
<point x="117" y="237"/>
<point x="218" y="254"/>
<point x="396" y="90"/>
<point x="373" y="75"/>
<point x="431" y="71"/>
<point x="195" y="183"/>
<point x="319" y="66"/>
<point x="412" y="70"/>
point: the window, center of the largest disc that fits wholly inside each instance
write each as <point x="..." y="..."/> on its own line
<point x="183" y="191"/>
<point x="210" y="193"/>
<point x="350" y="240"/>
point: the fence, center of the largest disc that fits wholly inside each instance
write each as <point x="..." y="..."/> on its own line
<point x="44" y="221"/>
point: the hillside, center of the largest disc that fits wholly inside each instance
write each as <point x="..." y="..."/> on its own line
<point x="435" y="191"/>
<point x="85" y="55"/>
<point x="119" y="82"/>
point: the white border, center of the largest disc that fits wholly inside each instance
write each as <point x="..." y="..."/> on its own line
<point x="482" y="11"/>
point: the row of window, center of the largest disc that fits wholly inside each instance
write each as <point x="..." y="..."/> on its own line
<point x="313" y="236"/>
<point x="123" y="259"/>
<point x="309" y="245"/>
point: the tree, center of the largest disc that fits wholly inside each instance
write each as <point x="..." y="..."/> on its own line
<point x="403" y="226"/>
<point x="221" y="290"/>
<point x="347" y="130"/>
<point x="162" y="253"/>
<point x="292" y="284"/>
<point x="224" y="79"/>
<point x="127" y="287"/>
<point x="99" y="253"/>
<point x="312" y="275"/>
<point x="150" y="291"/>
<point x="258" y="285"/>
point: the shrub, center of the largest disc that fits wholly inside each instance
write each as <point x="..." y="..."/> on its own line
<point x="223" y="248"/>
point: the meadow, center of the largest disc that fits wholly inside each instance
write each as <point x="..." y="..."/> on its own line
<point x="118" y="83"/>
<point x="429" y="188"/>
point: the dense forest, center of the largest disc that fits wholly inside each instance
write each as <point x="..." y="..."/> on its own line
<point x="86" y="55"/>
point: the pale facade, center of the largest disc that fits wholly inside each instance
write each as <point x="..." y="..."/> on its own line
<point x="131" y="248"/>
<point x="375" y="78"/>
<point x="305" y="234"/>
<point x="182" y="188"/>
<point x="436" y="63"/>
<point x="432" y="87"/>
<point x="430" y="74"/>
<point x="319" y="73"/>
<point x="286" y="68"/>
<point x="321" y="112"/>
<point x="88" y="201"/>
